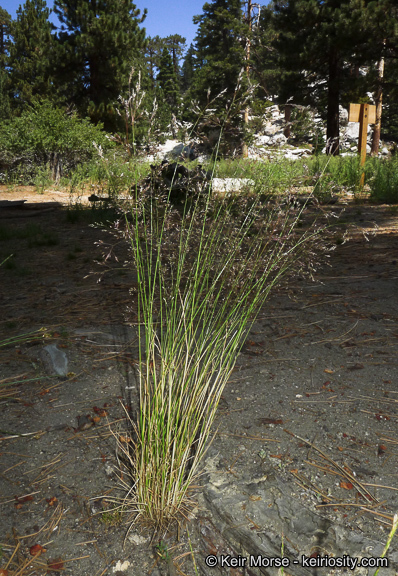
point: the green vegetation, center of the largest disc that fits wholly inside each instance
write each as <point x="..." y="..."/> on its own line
<point x="295" y="53"/>
<point x="30" y="55"/>
<point x="389" y="539"/>
<point x="163" y="551"/>
<point x="204" y="272"/>
<point x="111" y="518"/>
<point x="324" y="174"/>
<point x="96" y="47"/>
<point x="54" y="144"/>
<point x="382" y="178"/>
<point x="81" y="106"/>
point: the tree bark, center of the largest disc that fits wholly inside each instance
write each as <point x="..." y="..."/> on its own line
<point x="379" y="107"/>
<point x="288" y="114"/>
<point x="333" y="122"/>
<point x="245" y="150"/>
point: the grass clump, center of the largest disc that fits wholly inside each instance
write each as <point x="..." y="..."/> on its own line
<point x="109" y="174"/>
<point x="342" y="174"/>
<point x="331" y="174"/>
<point x="327" y="175"/>
<point x="382" y="177"/>
<point x="269" y="177"/>
<point x="204" y="272"/>
<point x="24" y="338"/>
<point x="111" y="519"/>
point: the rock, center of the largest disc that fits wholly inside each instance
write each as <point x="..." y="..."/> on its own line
<point x="270" y="135"/>
<point x="351" y="131"/>
<point x="250" y="516"/>
<point x="121" y="566"/>
<point x="56" y="359"/>
<point x="166" y="148"/>
<point x="294" y="154"/>
<point x="182" y="152"/>
<point x="262" y="140"/>
<point x="271" y="129"/>
<point x="343" y="113"/>
<point x="230" y="185"/>
<point x="202" y="158"/>
<point x="137" y="539"/>
<point x="278" y="139"/>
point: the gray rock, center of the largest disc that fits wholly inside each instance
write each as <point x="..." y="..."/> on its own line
<point x="56" y="359"/>
<point x="278" y="139"/>
<point x="182" y="152"/>
<point x="262" y="140"/>
<point x="343" y="113"/>
<point x="231" y="185"/>
<point x="252" y="516"/>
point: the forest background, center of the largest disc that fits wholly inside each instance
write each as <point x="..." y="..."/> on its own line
<point x="98" y="77"/>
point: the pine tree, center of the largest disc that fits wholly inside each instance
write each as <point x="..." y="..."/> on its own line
<point x="383" y="29"/>
<point x="219" y="49"/>
<point x="100" y="40"/>
<point x="389" y="126"/>
<point x="31" y="52"/>
<point x="167" y="80"/>
<point x="267" y="65"/>
<point x="5" y="33"/>
<point x="176" y="44"/>
<point x="188" y="68"/>
<point x="318" y="38"/>
<point x="153" y="51"/>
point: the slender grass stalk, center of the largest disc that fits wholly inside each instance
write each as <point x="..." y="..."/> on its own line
<point x="27" y="337"/>
<point x="389" y="539"/>
<point x="5" y="260"/>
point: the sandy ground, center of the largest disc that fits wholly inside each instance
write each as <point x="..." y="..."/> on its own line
<point x="310" y="413"/>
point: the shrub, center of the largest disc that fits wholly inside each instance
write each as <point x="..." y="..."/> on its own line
<point x="46" y="137"/>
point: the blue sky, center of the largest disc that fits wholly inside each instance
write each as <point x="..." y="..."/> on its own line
<point x="164" y="17"/>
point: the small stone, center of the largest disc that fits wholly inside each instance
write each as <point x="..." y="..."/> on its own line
<point x="121" y="566"/>
<point x="137" y="539"/>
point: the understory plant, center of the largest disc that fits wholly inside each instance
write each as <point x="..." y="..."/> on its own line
<point x="54" y="144"/>
<point x="382" y="177"/>
<point x="204" y="271"/>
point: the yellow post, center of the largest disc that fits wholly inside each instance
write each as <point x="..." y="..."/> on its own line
<point x="363" y="138"/>
<point x="365" y="114"/>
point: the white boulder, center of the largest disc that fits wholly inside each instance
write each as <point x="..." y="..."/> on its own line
<point x="229" y="185"/>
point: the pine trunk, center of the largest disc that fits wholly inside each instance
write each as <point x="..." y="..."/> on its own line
<point x="288" y="115"/>
<point x="379" y="107"/>
<point x="245" y="149"/>
<point x="333" y="124"/>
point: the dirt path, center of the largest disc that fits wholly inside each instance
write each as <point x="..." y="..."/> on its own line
<point x="305" y="457"/>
